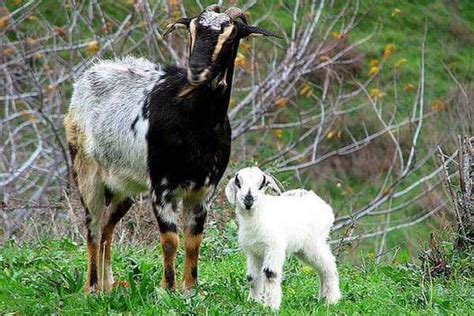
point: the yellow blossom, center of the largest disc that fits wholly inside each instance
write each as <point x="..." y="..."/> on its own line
<point x="281" y="102"/>
<point x="305" y="90"/>
<point x="409" y="87"/>
<point x="92" y="47"/>
<point x="244" y="45"/>
<point x="240" y="60"/>
<point x="400" y="62"/>
<point x="373" y="70"/>
<point x="376" y="93"/>
<point x="396" y="11"/>
<point x="374" y="62"/>
<point x="337" y="35"/>
<point x="388" y="50"/>
<point x="324" y="58"/>
<point x="4" y="22"/>
<point x="278" y="133"/>
<point x="438" y="106"/>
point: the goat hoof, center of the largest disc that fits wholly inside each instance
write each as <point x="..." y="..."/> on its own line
<point x="91" y="289"/>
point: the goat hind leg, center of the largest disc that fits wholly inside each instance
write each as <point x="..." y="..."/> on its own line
<point x="93" y="202"/>
<point x="117" y="211"/>
<point x="319" y="255"/>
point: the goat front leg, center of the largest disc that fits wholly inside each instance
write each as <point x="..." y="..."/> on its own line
<point x="254" y="277"/>
<point x="272" y="275"/>
<point x="195" y="217"/>
<point x="166" y="216"/>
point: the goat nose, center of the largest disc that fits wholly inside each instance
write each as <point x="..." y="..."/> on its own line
<point x="248" y="201"/>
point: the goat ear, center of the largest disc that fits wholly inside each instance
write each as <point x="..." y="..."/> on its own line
<point x="249" y="30"/>
<point x="230" y="191"/>
<point x="183" y="22"/>
<point x="272" y="183"/>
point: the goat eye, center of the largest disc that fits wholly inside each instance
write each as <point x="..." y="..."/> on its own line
<point x="262" y="185"/>
<point x="237" y="182"/>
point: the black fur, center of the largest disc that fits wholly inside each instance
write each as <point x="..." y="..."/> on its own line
<point x="169" y="277"/>
<point x="269" y="273"/>
<point x="189" y="137"/>
<point x="194" y="272"/>
<point x="120" y="211"/>
<point x="108" y="196"/>
<point x="132" y="127"/>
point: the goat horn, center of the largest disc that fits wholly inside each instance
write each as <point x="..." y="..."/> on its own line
<point x="235" y="13"/>
<point x="214" y="7"/>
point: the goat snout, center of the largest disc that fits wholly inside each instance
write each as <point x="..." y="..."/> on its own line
<point x="248" y="201"/>
<point x="198" y="74"/>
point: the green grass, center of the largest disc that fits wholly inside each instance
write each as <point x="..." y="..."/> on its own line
<point x="47" y="278"/>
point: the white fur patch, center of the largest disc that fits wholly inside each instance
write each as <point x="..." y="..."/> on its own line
<point x="107" y="103"/>
<point x="213" y="20"/>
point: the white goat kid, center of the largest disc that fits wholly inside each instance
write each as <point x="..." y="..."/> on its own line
<point x="271" y="227"/>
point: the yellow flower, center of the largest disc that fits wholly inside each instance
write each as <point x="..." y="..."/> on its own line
<point x="337" y="35"/>
<point x="306" y="90"/>
<point x="388" y="50"/>
<point x="244" y="45"/>
<point x="373" y="70"/>
<point x="4" y="22"/>
<point x="281" y="102"/>
<point x="278" y="133"/>
<point x="374" y="62"/>
<point x="376" y="93"/>
<point x="438" y="106"/>
<point x="92" y="47"/>
<point x="8" y="51"/>
<point x="396" y="11"/>
<point x="409" y="87"/>
<point x="324" y="58"/>
<point x="241" y="60"/>
<point x="400" y="62"/>
<point x="330" y="134"/>
<point x="31" y="41"/>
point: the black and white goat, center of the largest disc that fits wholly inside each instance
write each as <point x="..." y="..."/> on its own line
<point x="272" y="227"/>
<point x="135" y="126"/>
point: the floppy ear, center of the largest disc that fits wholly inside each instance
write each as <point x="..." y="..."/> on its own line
<point x="249" y="30"/>
<point x="230" y="191"/>
<point x="272" y="183"/>
<point x="183" y="22"/>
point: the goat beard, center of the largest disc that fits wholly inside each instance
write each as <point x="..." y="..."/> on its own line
<point x="220" y="80"/>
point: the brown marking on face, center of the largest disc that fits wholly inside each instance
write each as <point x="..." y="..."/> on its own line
<point x="169" y="244"/>
<point x="223" y="37"/>
<point x="191" y="246"/>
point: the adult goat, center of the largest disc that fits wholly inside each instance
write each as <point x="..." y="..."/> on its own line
<point x="135" y="126"/>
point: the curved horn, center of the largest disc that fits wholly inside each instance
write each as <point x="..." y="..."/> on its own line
<point x="214" y="7"/>
<point x="235" y="13"/>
